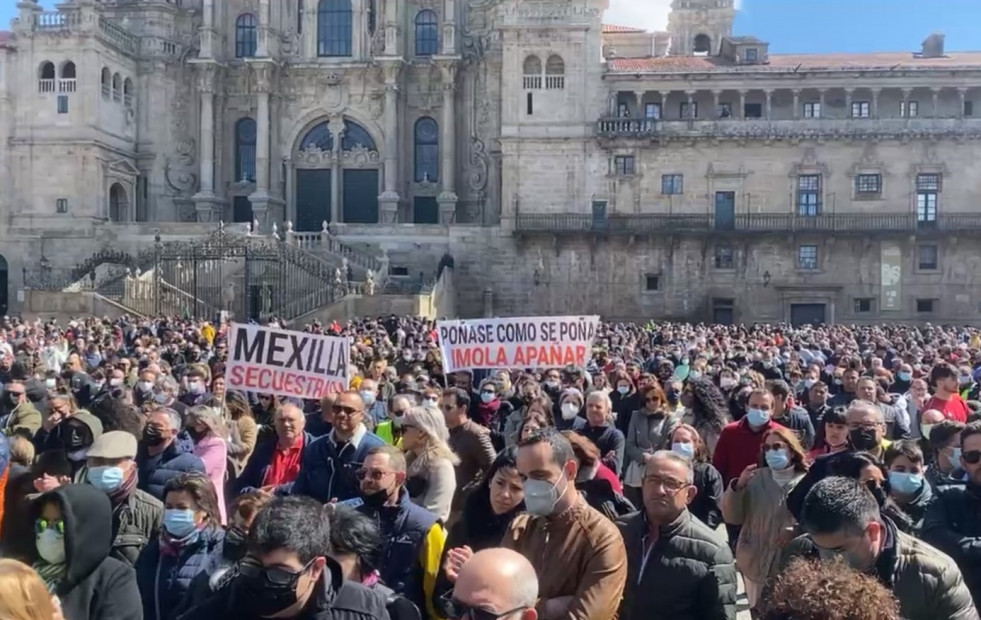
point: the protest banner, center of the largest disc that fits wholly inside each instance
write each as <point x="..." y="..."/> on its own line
<point x="527" y="342"/>
<point x="286" y="363"/>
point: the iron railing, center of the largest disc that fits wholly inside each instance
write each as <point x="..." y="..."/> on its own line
<point x="839" y="223"/>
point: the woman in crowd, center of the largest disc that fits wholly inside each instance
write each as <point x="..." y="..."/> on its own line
<point x="870" y="471"/>
<point x="430" y="477"/>
<point x="486" y="515"/>
<point x="706" y="411"/>
<point x="534" y="421"/>
<point x="907" y="485"/>
<point x="23" y="595"/>
<point x="624" y="397"/>
<point x="243" y="433"/>
<point x="529" y="392"/>
<point x="73" y="542"/>
<point x="945" y="454"/>
<point x="757" y="501"/>
<point x="218" y="387"/>
<point x="834" y="435"/>
<point x="570" y="408"/>
<point x="686" y="441"/>
<point x="189" y="540"/>
<point x="207" y="430"/>
<point x="598" y="427"/>
<point x="650" y="430"/>
<point x="488" y="405"/>
<point x="597" y="483"/>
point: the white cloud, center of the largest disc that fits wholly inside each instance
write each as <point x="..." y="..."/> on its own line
<point x="647" y="14"/>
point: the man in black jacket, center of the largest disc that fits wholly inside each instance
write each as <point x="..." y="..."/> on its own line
<point x="288" y="573"/>
<point x="677" y="567"/>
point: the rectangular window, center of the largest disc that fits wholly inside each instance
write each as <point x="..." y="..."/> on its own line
<point x="652" y="282"/>
<point x="909" y="109"/>
<point x="968" y="108"/>
<point x="752" y="54"/>
<point x="529" y="105"/>
<point x="624" y="165"/>
<point x="753" y="110"/>
<point x="61" y="205"/>
<point x="868" y="185"/>
<point x="62" y="104"/>
<point x="928" y="257"/>
<point x="807" y="257"/>
<point x="672" y="184"/>
<point x="812" y="109"/>
<point x="725" y="110"/>
<point x="724" y="257"/>
<point x="863" y="305"/>
<point x="924" y="305"/>
<point x="861" y="109"/>
<point x="927" y="193"/>
<point x="652" y="110"/>
<point x="399" y="270"/>
<point x="683" y="111"/>
<point x="809" y="194"/>
<point x="623" y="111"/>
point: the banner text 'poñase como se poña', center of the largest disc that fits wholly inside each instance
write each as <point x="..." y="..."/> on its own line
<point x="529" y="342"/>
<point x="286" y="363"/>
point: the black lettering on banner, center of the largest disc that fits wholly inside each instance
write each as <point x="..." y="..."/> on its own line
<point x="275" y="347"/>
<point x="465" y="334"/>
<point x="244" y="352"/>
<point x="298" y="344"/>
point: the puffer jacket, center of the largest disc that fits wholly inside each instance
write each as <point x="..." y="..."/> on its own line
<point x="154" y="473"/>
<point x="953" y="525"/>
<point x="689" y="573"/>
<point x="136" y="521"/>
<point x="164" y="579"/>
<point x="927" y="583"/>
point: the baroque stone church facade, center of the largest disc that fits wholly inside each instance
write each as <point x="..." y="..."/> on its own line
<point x="564" y="163"/>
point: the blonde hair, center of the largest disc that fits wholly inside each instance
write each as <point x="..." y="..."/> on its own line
<point x="432" y="424"/>
<point x="23" y="595"/>
<point x="209" y="416"/>
<point x="21" y="450"/>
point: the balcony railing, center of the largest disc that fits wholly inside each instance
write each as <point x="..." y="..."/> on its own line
<point x="66" y="85"/>
<point x="531" y="82"/>
<point x="617" y="126"/>
<point x="627" y="127"/>
<point x="46" y="85"/>
<point x="837" y="223"/>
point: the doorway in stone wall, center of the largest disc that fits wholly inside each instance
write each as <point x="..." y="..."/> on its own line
<point x="4" y="283"/>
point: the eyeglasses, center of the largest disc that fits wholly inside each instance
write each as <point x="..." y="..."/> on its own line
<point x="348" y="411"/>
<point x="457" y="610"/>
<point x="43" y="524"/>
<point x="972" y="457"/>
<point x="274" y="576"/>
<point x="374" y="475"/>
<point x="670" y="485"/>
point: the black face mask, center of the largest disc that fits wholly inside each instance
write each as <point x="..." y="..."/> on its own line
<point x="195" y="434"/>
<point x="375" y="499"/>
<point x="152" y="437"/>
<point x="235" y="546"/>
<point x="262" y="598"/>
<point x="862" y="439"/>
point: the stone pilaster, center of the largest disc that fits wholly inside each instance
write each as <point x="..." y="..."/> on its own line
<point x="447" y="141"/>
<point x="388" y="201"/>
<point x="206" y="204"/>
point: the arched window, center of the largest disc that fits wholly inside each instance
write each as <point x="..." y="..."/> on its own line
<point x="246" y="39"/>
<point x="47" y="71"/>
<point x="702" y="45"/>
<point x="427" y="33"/>
<point x="128" y="92"/>
<point x="68" y="71"/>
<point x="318" y="138"/>
<point x="106" y="82"/>
<point x="334" y="18"/>
<point x="118" y="203"/>
<point x="354" y="136"/>
<point x="554" y="72"/>
<point x="532" y="72"/>
<point x="426" y="136"/>
<point x="245" y="134"/>
<point x="117" y="87"/>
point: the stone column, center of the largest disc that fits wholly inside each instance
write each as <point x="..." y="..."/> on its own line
<point x="664" y="103"/>
<point x="262" y="199"/>
<point x="336" y="128"/>
<point x="207" y="30"/>
<point x="691" y="105"/>
<point x="639" y="94"/>
<point x="447" y="141"/>
<point x="821" y="101"/>
<point x="962" y="92"/>
<point x="263" y="32"/>
<point x="875" y="102"/>
<point x="742" y="105"/>
<point x="906" y="93"/>
<point x="309" y="41"/>
<point x="388" y="202"/>
<point x="936" y="102"/>
<point x="448" y="40"/>
<point x="796" y="103"/>
<point x="769" y="104"/>
<point x="205" y="201"/>
<point x="715" y="104"/>
<point x="848" y="102"/>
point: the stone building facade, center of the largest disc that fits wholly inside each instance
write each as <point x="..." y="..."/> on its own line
<point x="566" y="165"/>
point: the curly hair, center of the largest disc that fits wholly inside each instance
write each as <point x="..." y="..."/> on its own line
<point x="708" y="404"/>
<point x="816" y="590"/>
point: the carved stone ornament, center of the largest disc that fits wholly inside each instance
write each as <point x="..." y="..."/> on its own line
<point x="359" y="156"/>
<point x="313" y="156"/>
<point x="179" y="169"/>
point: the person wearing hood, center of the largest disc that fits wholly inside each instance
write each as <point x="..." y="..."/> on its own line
<point x="161" y="456"/>
<point x="136" y="515"/>
<point x="187" y="546"/>
<point x="73" y="539"/>
<point x="77" y="434"/>
<point x="598" y="427"/>
<point x="24" y="418"/>
<point x="61" y="406"/>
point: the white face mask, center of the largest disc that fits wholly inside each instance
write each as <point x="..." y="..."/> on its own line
<point x="569" y="411"/>
<point x="51" y="546"/>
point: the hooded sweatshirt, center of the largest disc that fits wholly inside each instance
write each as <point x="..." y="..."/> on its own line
<point x="94" y="585"/>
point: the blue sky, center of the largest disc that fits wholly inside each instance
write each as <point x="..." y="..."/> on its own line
<point x="809" y="26"/>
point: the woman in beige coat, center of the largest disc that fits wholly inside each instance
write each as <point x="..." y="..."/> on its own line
<point x="430" y="478"/>
<point x="757" y="500"/>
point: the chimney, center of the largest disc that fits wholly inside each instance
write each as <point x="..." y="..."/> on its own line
<point x="933" y="46"/>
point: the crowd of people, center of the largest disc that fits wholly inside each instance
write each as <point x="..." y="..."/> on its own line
<point x="836" y="469"/>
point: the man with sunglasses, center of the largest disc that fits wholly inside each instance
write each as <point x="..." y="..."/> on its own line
<point x="328" y="464"/>
<point x="494" y="584"/>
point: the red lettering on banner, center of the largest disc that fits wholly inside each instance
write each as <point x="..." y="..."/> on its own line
<point x="480" y="357"/>
<point x="258" y="379"/>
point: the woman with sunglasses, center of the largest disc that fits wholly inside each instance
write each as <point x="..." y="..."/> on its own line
<point x="486" y="515"/>
<point x="649" y="430"/>
<point x="73" y="540"/>
<point x="430" y="477"/>
<point x="757" y="501"/>
<point x="189" y="540"/>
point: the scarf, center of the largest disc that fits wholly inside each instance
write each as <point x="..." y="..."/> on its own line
<point x="175" y="546"/>
<point x="120" y="495"/>
<point x="51" y="574"/>
<point x="485" y="412"/>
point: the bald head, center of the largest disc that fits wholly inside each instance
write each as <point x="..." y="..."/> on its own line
<point x="499" y="580"/>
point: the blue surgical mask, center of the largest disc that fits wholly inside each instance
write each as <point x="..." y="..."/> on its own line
<point x="777" y="459"/>
<point x="487" y="397"/>
<point x="905" y="482"/>
<point x="106" y="479"/>
<point x="179" y="523"/>
<point x="757" y="417"/>
<point x="904" y="376"/>
<point x="955" y="458"/>
<point x="368" y="397"/>
<point x="694" y="375"/>
<point x="160" y="398"/>
<point x="623" y="389"/>
<point x="686" y="450"/>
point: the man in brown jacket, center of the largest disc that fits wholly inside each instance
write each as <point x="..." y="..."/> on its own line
<point x="577" y="553"/>
<point x="470" y="441"/>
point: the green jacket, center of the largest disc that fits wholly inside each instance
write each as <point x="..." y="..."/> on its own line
<point x="25" y="419"/>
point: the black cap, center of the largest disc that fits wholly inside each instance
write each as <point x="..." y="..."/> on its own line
<point x="18" y="371"/>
